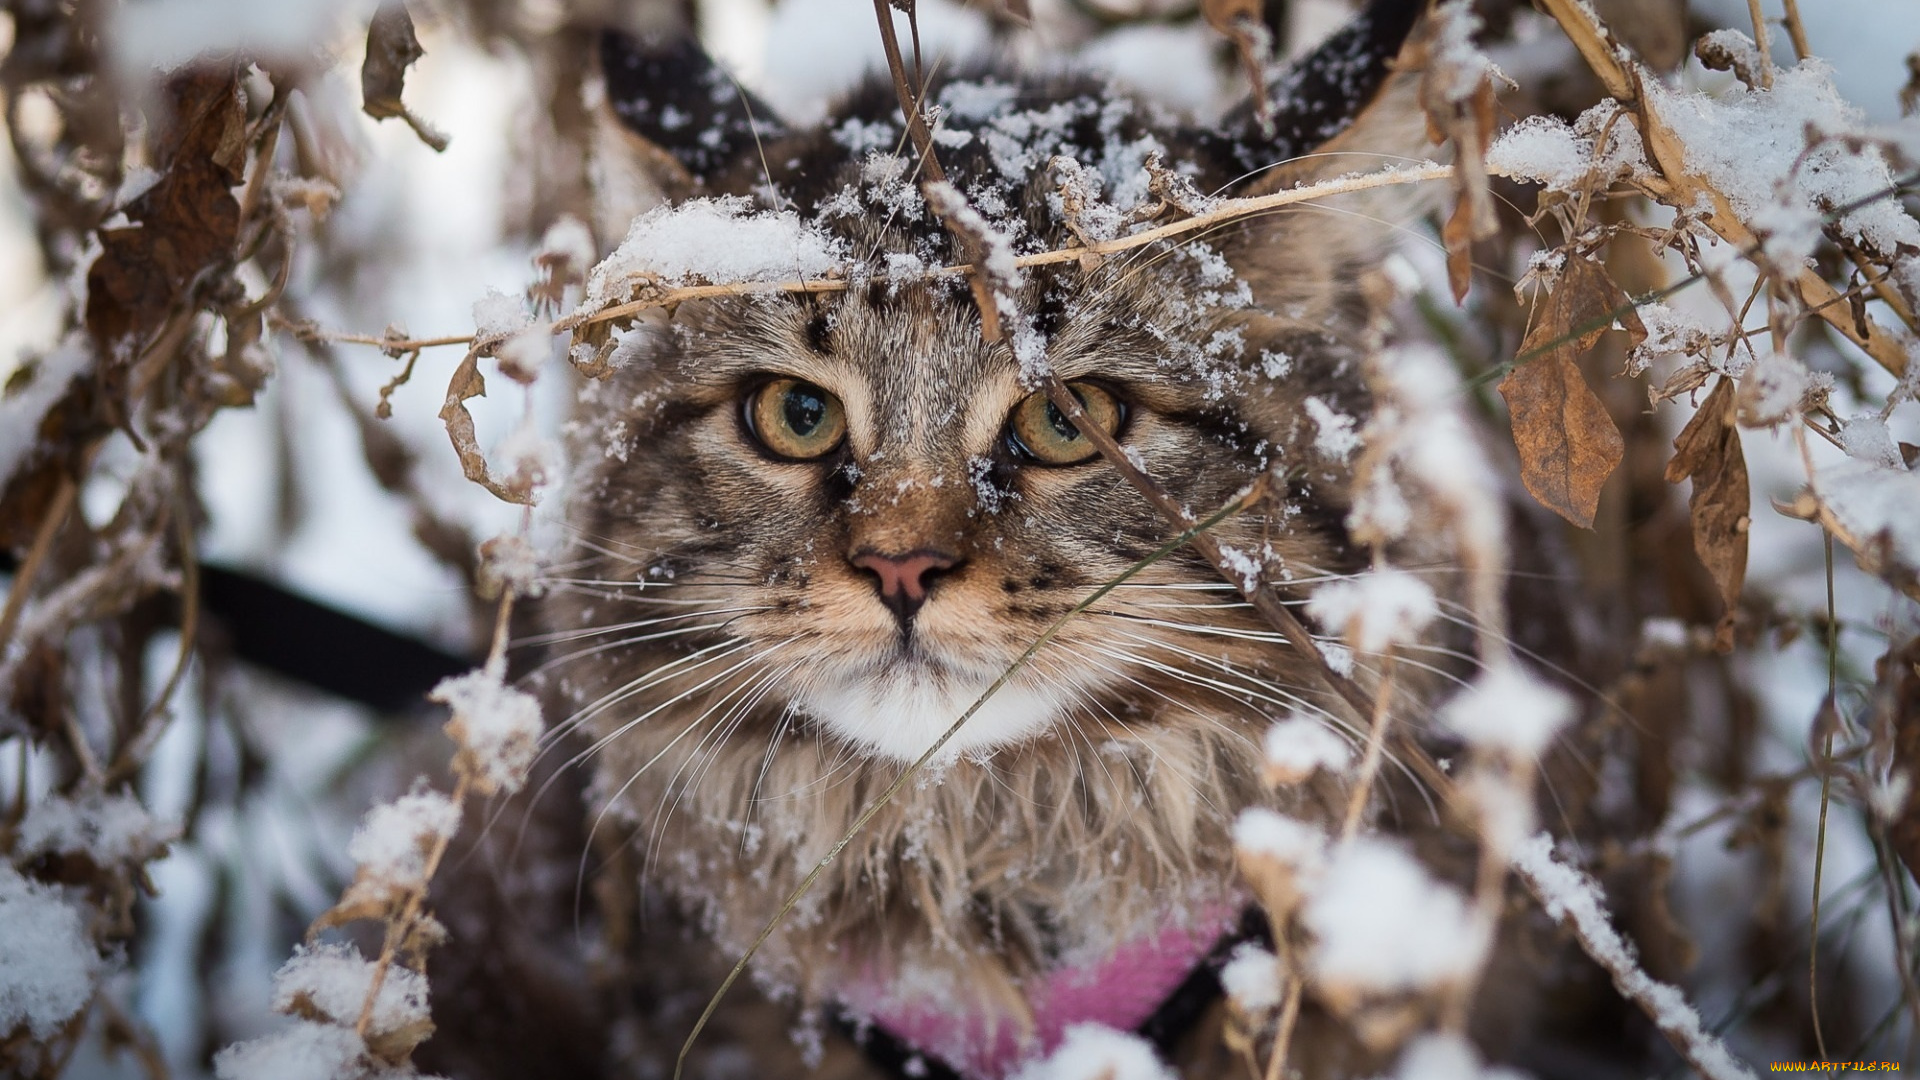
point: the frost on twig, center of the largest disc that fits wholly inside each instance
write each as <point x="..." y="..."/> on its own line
<point x="1573" y="899"/>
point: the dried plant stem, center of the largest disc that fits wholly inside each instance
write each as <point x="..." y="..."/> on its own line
<point x="1826" y="793"/>
<point x="1375" y="750"/>
<point x="400" y="927"/>
<point x="1256" y="592"/>
<point x="1797" y="31"/>
<point x="392" y="344"/>
<point x="57" y="510"/>
<point x="1579" y="907"/>
<point x="1760" y="38"/>
<point x="132" y="753"/>
<point x="1295" y="989"/>
<point x="1221" y="213"/>
<point x="1675" y="186"/>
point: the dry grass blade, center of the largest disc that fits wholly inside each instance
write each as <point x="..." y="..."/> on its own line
<point x="1902" y="675"/>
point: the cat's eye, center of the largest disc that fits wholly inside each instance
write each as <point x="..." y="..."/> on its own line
<point x="1041" y="432"/>
<point x="795" y="419"/>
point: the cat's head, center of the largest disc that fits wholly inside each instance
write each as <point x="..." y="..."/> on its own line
<point x="846" y="514"/>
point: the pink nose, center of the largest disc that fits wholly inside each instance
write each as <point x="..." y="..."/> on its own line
<point x="903" y="578"/>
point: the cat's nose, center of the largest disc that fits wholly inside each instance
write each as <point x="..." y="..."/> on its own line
<point x="904" y="578"/>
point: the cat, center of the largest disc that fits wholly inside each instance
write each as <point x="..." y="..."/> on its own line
<point x="812" y="529"/>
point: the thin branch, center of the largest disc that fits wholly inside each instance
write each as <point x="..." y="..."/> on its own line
<point x="1572" y="899"/>
<point x="56" y="516"/>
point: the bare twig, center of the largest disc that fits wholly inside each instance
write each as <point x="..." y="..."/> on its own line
<point x="1575" y="901"/>
<point x="57" y="510"/>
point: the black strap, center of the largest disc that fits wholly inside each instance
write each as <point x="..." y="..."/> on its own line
<point x="291" y="635"/>
<point x="1169" y="1023"/>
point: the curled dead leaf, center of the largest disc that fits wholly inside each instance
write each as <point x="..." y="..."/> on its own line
<point x="1708" y="451"/>
<point x="392" y="47"/>
<point x="467" y="383"/>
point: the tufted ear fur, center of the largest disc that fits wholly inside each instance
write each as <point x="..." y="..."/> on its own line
<point x="674" y="125"/>
<point x="1350" y="106"/>
<point x="1335" y="96"/>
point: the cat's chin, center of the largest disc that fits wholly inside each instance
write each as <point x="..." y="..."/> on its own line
<point x="898" y="710"/>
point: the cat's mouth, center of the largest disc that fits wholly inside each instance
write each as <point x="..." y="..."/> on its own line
<point x="898" y="705"/>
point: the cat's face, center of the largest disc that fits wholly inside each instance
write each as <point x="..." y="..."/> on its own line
<point x="845" y="515"/>
<point x="868" y="500"/>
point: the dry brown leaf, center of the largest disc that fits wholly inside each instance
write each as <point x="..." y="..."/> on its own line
<point x="1568" y="443"/>
<point x="392" y="47"/>
<point x="467" y="382"/>
<point x="1904" y="677"/>
<point x="1469" y="125"/>
<point x="1708" y="450"/>
<point x="182" y="225"/>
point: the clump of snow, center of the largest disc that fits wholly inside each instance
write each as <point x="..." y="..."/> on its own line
<point x="1507" y="709"/>
<point x="1776" y="387"/>
<point x="566" y="249"/>
<point x="1098" y="1052"/>
<point x="713" y="241"/>
<point x="1867" y="438"/>
<point x="392" y="843"/>
<point x="106" y="828"/>
<point x="1460" y="67"/>
<point x="525" y="353"/>
<point x="1664" y="633"/>
<point x="1876" y="505"/>
<point x="1548" y="150"/>
<point x="498" y="729"/>
<point x="1337" y="438"/>
<point x="1300" y="746"/>
<point x="331" y="981"/>
<point x="1752" y="146"/>
<point x="1338" y="657"/>
<point x="1293" y="844"/>
<point x="1252" y="978"/>
<point x="509" y="563"/>
<point x="304" y="1051"/>
<point x="1572" y="898"/>
<point x="1418" y="433"/>
<point x="1669" y="333"/>
<point x="1447" y="1056"/>
<point x="1382" y="925"/>
<point x="1375" y="611"/>
<point x="526" y="460"/>
<point x="497" y="315"/>
<point x="47" y="962"/>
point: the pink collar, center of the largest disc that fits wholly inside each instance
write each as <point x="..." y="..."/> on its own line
<point x="1120" y="991"/>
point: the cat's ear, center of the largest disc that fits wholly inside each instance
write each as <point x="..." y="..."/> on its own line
<point x="1350" y="96"/>
<point x="674" y="124"/>
<point x="1353" y="105"/>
